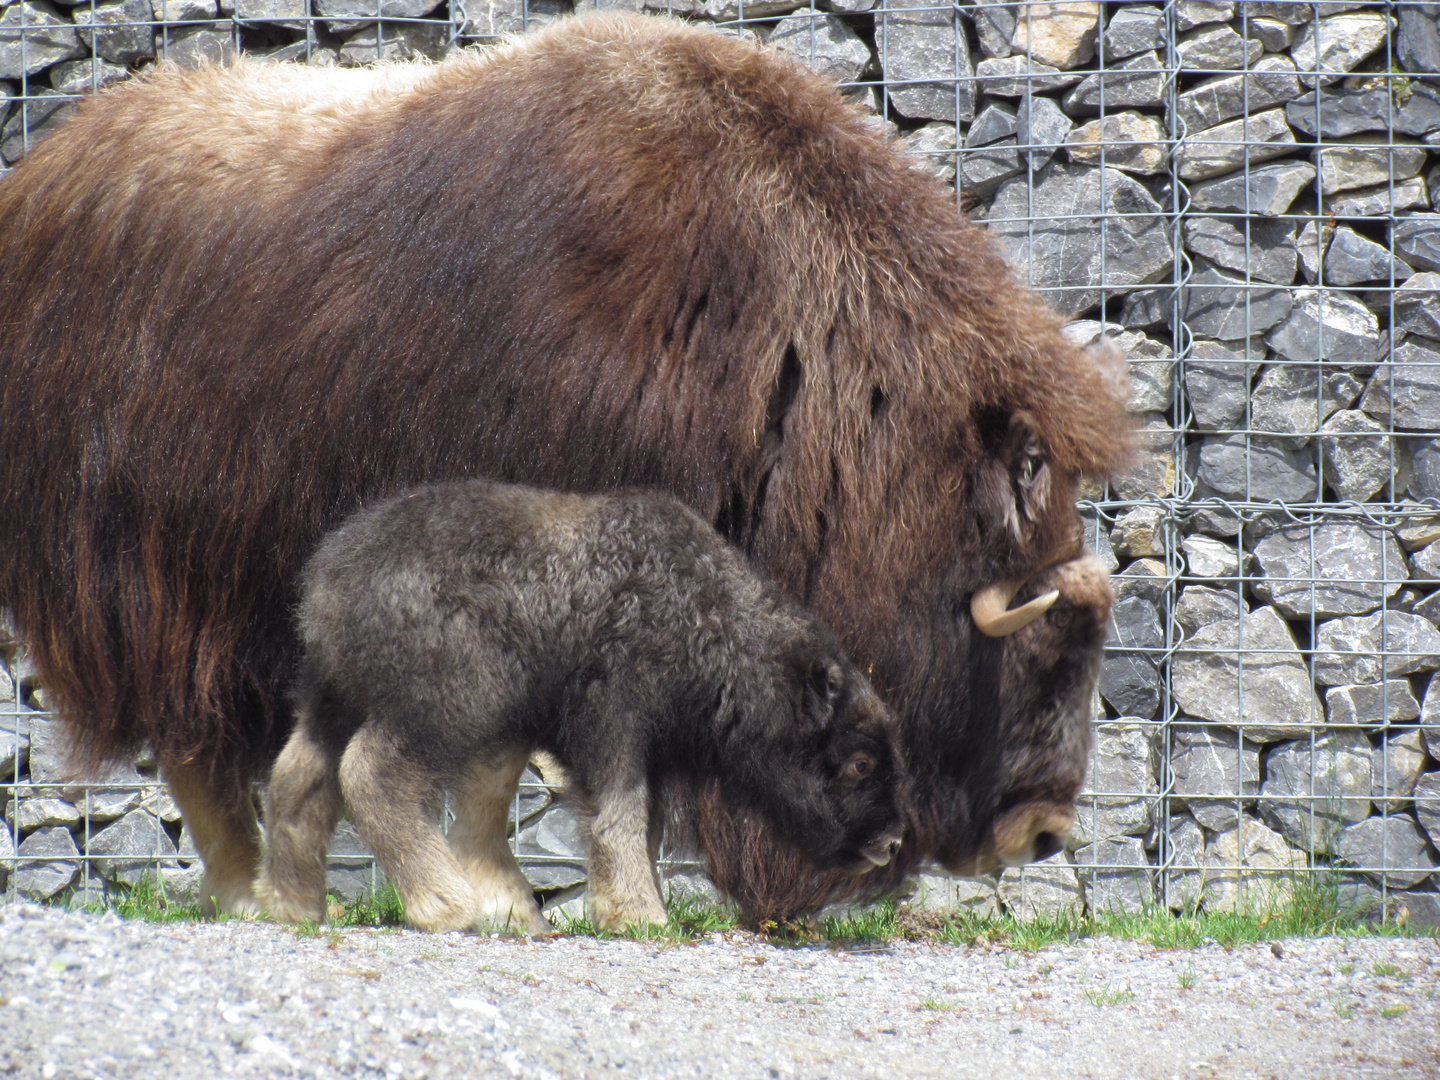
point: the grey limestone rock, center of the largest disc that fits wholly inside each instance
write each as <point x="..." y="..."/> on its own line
<point x="1129" y="673"/>
<point x="1249" y="868"/>
<point x="1357" y="453"/>
<point x="34" y="35"/>
<point x="1425" y="564"/>
<point x="193" y="46"/>
<point x="1256" y="470"/>
<point x="924" y="43"/>
<point x="941" y="892"/>
<point x="1338" y="113"/>
<point x="1216" y="47"/>
<point x="1407" y="392"/>
<point x="1097" y="541"/>
<point x="1387" y="702"/>
<point x="1137" y="82"/>
<point x="1121" y="783"/>
<point x="1391" y="850"/>
<point x="1116" y="874"/>
<point x="47" y="863"/>
<point x="1331" y="568"/>
<point x="1214" y="560"/>
<point x="1222" y="305"/>
<point x="1040" y="129"/>
<point x="1395" y="766"/>
<point x="1427" y="805"/>
<point x="346" y="16"/>
<point x="1045" y="889"/>
<point x="994" y="23"/>
<point x="1417" y="37"/>
<point x="1185" y="861"/>
<point x="1016" y="76"/>
<point x="1274" y="36"/>
<point x="1226" y="147"/>
<point x="1424" y="462"/>
<point x="934" y="145"/>
<point x="85" y="76"/>
<point x="826" y="44"/>
<point x="1261" y="248"/>
<point x="1246" y="674"/>
<point x="1193" y="13"/>
<point x="1217" y="384"/>
<point x="1368" y="648"/>
<point x="28" y="814"/>
<point x="124" y="850"/>
<point x="985" y="168"/>
<point x="1310" y="246"/>
<point x="292" y="13"/>
<point x="1145" y="578"/>
<point x="1381" y="200"/>
<point x="1417" y="305"/>
<point x="1200" y="605"/>
<point x="381" y="42"/>
<point x="1149" y="363"/>
<point x="1325" y="50"/>
<point x="1351" y="259"/>
<point x="995" y="122"/>
<point x="179" y="11"/>
<point x="1266" y="191"/>
<point x="1331" y="326"/>
<point x="1061" y="34"/>
<point x="1291" y="400"/>
<point x="1151" y="469"/>
<point x="1312" y="790"/>
<point x="1133" y="29"/>
<point x="1126" y="140"/>
<point x="1064" y="255"/>
<point x="1365" y="161"/>
<point x="1285" y="11"/>
<point x="1417" y="240"/>
<point x="118" y="31"/>
<point x="552" y="849"/>
<point x="1430" y="715"/>
<point x="1140" y="532"/>
<point x="33" y="122"/>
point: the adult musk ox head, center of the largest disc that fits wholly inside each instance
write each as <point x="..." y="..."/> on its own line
<point x="238" y="303"/>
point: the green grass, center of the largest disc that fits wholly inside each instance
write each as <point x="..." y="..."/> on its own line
<point x="1108" y="996"/>
<point x="1312" y="911"/>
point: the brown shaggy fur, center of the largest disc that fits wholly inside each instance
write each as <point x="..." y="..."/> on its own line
<point x="239" y="303"/>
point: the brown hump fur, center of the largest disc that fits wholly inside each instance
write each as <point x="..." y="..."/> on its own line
<point x="618" y="252"/>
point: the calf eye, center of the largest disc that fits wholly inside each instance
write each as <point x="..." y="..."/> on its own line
<point x="859" y="766"/>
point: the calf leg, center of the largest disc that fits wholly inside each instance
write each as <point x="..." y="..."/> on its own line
<point x="624" y="838"/>
<point x="302" y="804"/>
<point x="227" y="836"/>
<point x="393" y="803"/>
<point x="478" y="839"/>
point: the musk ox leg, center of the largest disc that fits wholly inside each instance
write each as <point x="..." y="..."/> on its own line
<point x="226" y="835"/>
<point x="302" y="804"/>
<point x="394" y="804"/>
<point x="478" y="839"/>
<point x="624" y="840"/>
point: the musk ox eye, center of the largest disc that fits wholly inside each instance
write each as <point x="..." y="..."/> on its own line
<point x="859" y="766"/>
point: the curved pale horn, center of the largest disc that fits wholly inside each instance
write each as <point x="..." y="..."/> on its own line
<point x="990" y="608"/>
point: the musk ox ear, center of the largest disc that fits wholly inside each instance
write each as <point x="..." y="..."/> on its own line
<point x="825" y="681"/>
<point x="1013" y="489"/>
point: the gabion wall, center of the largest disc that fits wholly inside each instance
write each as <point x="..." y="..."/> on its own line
<point x="1242" y="194"/>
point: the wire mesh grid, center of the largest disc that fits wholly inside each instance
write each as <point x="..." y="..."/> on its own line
<point x="1241" y="194"/>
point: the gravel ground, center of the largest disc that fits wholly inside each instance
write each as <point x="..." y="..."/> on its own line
<point x="84" y="995"/>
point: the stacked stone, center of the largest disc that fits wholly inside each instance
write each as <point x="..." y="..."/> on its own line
<point x="1242" y="193"/>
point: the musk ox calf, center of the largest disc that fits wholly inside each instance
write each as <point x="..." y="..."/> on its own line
<point x="237" y="303"/>
<point x="451" y="632"/>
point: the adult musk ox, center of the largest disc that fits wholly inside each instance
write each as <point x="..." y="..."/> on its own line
<point x="451" y="632"/>
<point x="239" y="303"/>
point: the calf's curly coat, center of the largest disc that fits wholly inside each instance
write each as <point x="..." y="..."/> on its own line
<point x="237" y="303"/>
<point x="451" y="632"/>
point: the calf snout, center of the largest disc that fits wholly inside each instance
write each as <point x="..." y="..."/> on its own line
<point x="880" y="851"/>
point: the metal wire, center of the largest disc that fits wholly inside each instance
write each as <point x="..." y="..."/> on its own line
<point x="1162" y="853"/>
